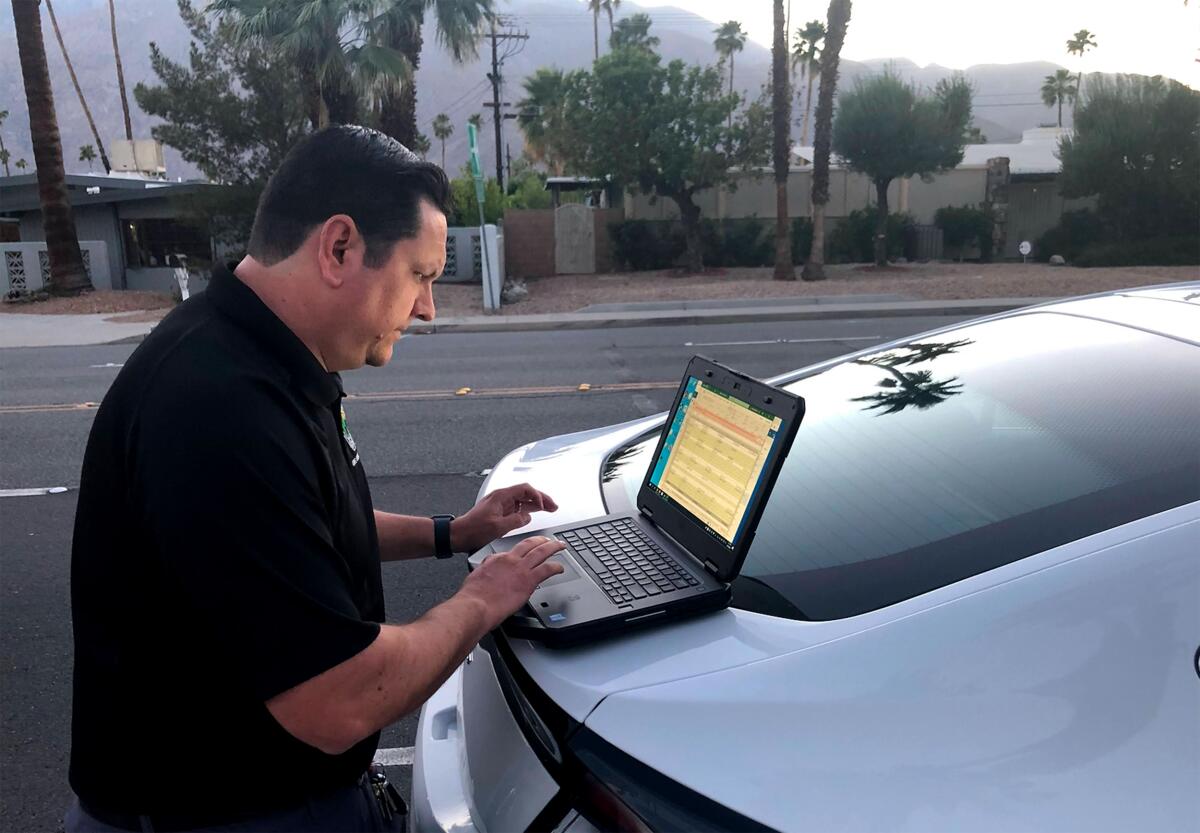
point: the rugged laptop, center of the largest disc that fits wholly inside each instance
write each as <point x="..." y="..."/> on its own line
<point x="723" y="445"/>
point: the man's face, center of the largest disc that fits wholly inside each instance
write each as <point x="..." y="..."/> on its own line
<point x="389" y="298"/>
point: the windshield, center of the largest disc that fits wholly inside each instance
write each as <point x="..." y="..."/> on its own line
<point x="923" y="465"/>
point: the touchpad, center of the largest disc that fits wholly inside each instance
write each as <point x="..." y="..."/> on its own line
<point x="569" y="573"/>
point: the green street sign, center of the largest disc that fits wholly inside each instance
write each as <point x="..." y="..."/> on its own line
<point x="473" y="144"/>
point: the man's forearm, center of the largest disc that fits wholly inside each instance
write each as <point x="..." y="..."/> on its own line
<point x="407" y="536"/>
<point x="391" y="678"/>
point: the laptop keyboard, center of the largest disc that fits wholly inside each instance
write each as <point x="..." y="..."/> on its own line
<point x="628" y="563"/>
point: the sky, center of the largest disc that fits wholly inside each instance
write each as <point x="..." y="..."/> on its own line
<point x="1152" y="37"/>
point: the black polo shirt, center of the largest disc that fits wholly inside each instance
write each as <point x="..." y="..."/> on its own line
<point x="225" y="551"/>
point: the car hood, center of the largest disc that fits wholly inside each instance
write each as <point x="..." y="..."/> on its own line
<point x="578" y="679"/>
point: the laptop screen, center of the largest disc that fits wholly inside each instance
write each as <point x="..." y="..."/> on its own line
<point x="714" y="457"/>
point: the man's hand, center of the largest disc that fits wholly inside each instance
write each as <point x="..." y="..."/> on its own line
<point x="496" y="515"/>
<point x="505" y="581"/>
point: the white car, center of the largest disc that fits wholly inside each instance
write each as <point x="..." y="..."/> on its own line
<point x="973" y="603"/>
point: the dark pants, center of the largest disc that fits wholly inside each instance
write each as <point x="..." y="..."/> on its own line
<point x="351" y="810"/>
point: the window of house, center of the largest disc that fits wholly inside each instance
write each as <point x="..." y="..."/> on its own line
<point x="152" y="243"/>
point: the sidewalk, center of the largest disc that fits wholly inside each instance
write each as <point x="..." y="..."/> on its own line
<point x="23" y="330"/>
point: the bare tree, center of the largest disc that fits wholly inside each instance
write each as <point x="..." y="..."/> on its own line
<point x="78" y="90"/>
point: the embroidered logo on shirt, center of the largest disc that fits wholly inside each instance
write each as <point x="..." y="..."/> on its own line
<point x="349" y="438"/>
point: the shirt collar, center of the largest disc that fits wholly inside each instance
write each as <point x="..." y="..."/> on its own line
<point x="239" y="303"/>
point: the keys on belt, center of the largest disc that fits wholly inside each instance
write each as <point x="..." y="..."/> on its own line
<point x="389" y="800"/>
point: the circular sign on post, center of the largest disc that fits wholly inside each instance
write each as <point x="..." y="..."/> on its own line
<point x="1025" y="248"/>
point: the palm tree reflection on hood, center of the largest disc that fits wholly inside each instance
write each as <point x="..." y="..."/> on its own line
<point x="911" y="388"/>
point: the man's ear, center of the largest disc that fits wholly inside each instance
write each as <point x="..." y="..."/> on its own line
<point x="339" y="249"/>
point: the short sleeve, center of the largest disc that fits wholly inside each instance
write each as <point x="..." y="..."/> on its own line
<point x="229" y="486"/>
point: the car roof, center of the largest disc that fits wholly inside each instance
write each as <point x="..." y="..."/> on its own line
<point x="1171" y="310"/>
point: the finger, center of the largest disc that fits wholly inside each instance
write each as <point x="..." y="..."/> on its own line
<point x="541" y="552"/>
<point x="529" y="498"/>
<point x="548" y="503"/>
<point x="528" y="544"/>
<point x="547" y="570"/>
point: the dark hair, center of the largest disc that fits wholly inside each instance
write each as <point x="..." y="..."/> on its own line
<point x="352" y="170"/>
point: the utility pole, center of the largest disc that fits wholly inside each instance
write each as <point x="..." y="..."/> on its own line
<point x="494" y="76"/>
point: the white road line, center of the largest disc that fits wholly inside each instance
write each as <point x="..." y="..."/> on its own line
<point x="45" y="490"/>
<point x="395" y="757"/>
<point x="106" y="364"/>
<point x="778" y="341"/>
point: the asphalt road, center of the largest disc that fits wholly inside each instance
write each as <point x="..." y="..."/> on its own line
<point x="422" y="445"/>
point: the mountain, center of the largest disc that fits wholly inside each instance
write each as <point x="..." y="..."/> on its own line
<point x="1007" y="97"/>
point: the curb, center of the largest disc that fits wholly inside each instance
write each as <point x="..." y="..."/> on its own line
<point x="550" y="322"/>
<point x="811" y="312"/>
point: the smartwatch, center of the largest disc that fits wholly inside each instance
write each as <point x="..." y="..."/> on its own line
<point x="441" y="536"/>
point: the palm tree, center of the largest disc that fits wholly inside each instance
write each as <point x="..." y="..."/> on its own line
<point x="442" y="128"/>
<point x="67" y="275"/>
<point x="611" y="6"/>
<point x="633" y="32"/>
<point x="1057" y="89"/>
<point x="78" y="90"/>
<point x="87" y="153"/>
<point x="1077" y="45"/>
<point x="477" y="120"/>
<point x="112" y="18"/>
<point x="807" y="53"/>
<point x="730" y="40"/>
<point x="781" y="109"/>
<point x="21" y="165"/>
<point x="837" y="20"/>
<point x="594" y="6"/>
<point x="337" y="44"/>
<point x="458" y="24"/>
<point x="541" y="116"/>
<point x="420" y="146"/>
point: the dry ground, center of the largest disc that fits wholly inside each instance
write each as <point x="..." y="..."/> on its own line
<point x="568" y="293"/>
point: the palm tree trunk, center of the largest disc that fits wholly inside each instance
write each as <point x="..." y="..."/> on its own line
<point x="78" y="91"/>
<point x="1060" y="99"/>
<point x="67" y="275"/>
<point x="596" y="31"/>
<point x="812" y="74"/>
<point x="781" y="106"/>
<point x="881" y="218"/>
<point x="731" y="87"/>
<point x="689" y="216"/>
<point x="838" y="18"/>
<point x="112" y="17"/>
<point x="443" y="154"/>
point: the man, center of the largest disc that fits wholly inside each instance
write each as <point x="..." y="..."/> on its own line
<point x="231" y="670"/>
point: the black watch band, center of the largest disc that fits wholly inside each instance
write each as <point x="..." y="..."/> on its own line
<point x="441" y="536"/>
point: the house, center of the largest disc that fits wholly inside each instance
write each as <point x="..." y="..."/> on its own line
<point x="136" y="222"/>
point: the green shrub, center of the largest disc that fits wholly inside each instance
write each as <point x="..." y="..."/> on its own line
<point x="965" y="226"/>
<point x="1076" y="231"/>
<point x="802" y="234"/>
<point x="466" y="206"/>
<point x="747" y="241"/>
<point x="646" y="244"/>
<point x="1157" y="251"/>
<point x="852" y="240"/>
<point x="528" y="191"/>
